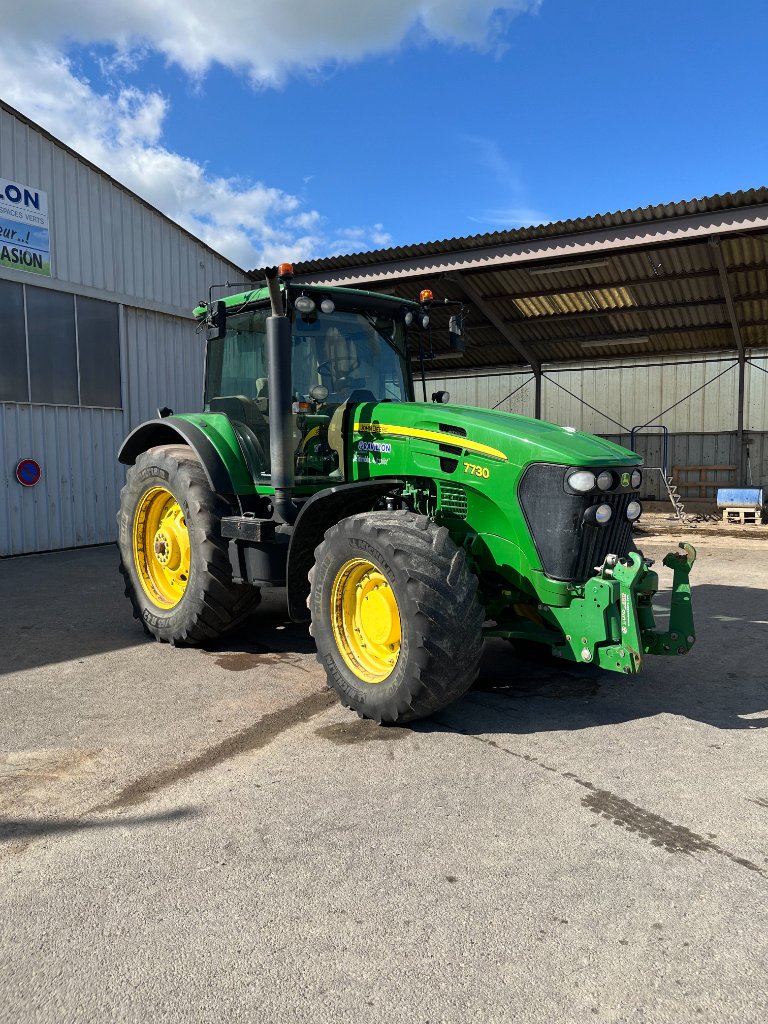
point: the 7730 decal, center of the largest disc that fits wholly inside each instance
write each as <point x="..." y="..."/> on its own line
<point x="473" y="470"/>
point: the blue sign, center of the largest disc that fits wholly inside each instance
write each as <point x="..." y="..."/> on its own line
<point x="28" y="472"/>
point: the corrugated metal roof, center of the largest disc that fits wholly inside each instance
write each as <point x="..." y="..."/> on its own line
<point x="657" y="292"/>
<point x="643" y="215"/>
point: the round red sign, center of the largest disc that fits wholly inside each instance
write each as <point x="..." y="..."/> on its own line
<point x="28" y="472"/>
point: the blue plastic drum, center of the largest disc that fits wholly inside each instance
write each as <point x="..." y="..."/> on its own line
<point x="740" y="497"/>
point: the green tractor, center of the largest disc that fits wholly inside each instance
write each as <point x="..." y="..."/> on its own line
<point x="405" y="532"/>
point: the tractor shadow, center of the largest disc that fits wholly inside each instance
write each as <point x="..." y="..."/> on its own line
<point x="268" y="637"/>
<point x="723" y="682"/>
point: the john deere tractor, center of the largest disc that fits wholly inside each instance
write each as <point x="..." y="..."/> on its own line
<point x="404" y="531"/>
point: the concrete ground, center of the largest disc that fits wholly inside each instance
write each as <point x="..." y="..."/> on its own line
<point x="206" y="835"/>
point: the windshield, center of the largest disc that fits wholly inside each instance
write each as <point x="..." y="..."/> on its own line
<point x="335" y="358"/>
<point x="350" y="354"/>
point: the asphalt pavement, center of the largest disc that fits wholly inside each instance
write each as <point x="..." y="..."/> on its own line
<point x="206" y="835"/>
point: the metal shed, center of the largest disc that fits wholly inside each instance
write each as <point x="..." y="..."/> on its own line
<point x="95" y="336"/>
<point x="651" y="318"/>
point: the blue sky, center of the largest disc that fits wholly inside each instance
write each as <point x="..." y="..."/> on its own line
<point x="423" y="120"/>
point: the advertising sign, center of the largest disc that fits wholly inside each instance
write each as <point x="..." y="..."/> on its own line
<point x="24" y="239"/>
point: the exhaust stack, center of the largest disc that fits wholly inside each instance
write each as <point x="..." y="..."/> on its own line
<point x="280" y="398"/>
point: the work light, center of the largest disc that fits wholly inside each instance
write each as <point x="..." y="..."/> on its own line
<point x="582" y="480"/>
<point x="605" y="480"/>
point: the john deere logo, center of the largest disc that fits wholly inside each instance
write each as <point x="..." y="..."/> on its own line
<point x="625" y="479"/>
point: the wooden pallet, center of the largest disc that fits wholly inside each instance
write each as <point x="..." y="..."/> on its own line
<point x="743" y="516"/>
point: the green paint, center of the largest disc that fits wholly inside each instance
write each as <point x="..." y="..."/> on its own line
<point x="463" y="467"/>
<point x="219" y="432"/>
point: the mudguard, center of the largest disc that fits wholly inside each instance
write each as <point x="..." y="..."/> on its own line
<point x="174" y="429"/>
<point x="316" y="516"/>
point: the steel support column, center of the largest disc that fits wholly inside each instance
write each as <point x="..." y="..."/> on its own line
<point x="537" y="378"/>
<point x="730" y="305"/>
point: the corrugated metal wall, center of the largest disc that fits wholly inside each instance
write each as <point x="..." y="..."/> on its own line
<point x="76" y="499"/>
<point x="628" y="392"/>
<point x="78" y="495"/>
<point x="707" y="450"/>
<point x="163" y="359"/>
<point x="631" y="392"/>
<point x="105" y="244"/>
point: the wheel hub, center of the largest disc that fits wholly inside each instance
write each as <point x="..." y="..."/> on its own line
<point x="366" y="620"/>
<point x="161" y="547"/>
<point x="379" y="620"/>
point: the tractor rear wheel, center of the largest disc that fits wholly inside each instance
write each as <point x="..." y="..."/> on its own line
<point x="173" y="559"/>
<point x="395" y="615"/>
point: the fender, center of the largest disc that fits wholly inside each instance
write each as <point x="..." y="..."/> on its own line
<point x="172" y="430"/>
<point x="318" y="514"/>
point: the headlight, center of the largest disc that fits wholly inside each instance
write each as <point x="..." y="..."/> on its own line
<point x="582" y="481"/>
<point x="634" y="508"/>
<point x="304" y="304"/>
<point x="605" y="480"/>
<point x="637" y="479"/>
<point x="597" y="515"/>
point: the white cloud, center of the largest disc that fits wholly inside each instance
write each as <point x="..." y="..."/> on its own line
<point x="121" y="128"/>
<point x="511" y="217"/>
<point x="251" y="223"/>
<point x="266" y="38"/>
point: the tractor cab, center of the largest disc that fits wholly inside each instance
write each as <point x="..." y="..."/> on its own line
<point x="345" y="348"/>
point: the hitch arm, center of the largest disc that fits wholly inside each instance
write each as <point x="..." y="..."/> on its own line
<point x="680" y="636"/>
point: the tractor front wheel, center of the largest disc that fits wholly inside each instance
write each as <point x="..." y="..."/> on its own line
<point x="395" y="615"/>
<point x="173" y="559"/>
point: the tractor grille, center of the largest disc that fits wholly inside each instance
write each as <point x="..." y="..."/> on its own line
<point x="568" y="547"/>
<point x="453" y="500"/>
<point x="599" y="541"/>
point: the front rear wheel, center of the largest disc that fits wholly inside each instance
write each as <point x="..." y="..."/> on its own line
<point x="173" y="559"/>
<point x="395" y="615"/>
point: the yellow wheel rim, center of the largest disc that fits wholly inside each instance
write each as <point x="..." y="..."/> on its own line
<point x="365" y="620"/>
<point x="161" y="548"/>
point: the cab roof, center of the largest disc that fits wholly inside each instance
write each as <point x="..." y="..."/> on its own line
<point x="261" y="294"/>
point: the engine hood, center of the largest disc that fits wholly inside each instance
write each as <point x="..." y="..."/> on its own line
<point x="519" y="439"/>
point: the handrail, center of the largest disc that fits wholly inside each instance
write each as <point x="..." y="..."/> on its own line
<point x="665" y="442"/>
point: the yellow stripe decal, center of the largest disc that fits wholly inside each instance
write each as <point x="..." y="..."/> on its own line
<point x="314" y="432"/>
<point x="390" y="430"/>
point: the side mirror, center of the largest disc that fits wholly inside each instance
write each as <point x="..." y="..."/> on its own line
<point x="442" y="397"/>
<point x="456" y="336"/>
<point x="217" y="322"/>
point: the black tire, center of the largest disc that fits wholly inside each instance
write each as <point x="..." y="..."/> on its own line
<point x="440" y="616"/>
<point x="211" y="605"/>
